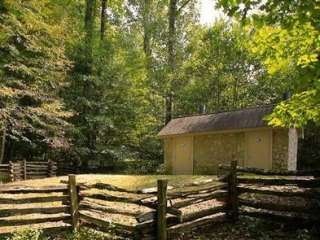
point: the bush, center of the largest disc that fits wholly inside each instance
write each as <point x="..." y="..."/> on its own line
<point x="27" y="234"/>
<point x="82" y="234"/>
<point x="86" y="234"/>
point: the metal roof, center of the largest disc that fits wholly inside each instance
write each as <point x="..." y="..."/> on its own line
<point x="238" y="119"/>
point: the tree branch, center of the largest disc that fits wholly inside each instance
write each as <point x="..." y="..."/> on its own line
<point x="182" y="6"/>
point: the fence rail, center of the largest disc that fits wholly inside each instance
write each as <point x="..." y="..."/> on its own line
<point x="19" y="206"/>
<point x="165" y="212"/>
<point x="266" y="194"/>
<point x="23" y="170"/>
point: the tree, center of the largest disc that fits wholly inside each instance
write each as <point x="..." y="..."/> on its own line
<point x="173" y="14"/>
<point x="32" y="72"/>
<point x="221" y="74"/>
<point x="292" y="29"/>
<point x="103" y="19"/>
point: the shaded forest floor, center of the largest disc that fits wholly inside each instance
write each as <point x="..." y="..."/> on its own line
<point x="244" y="229"/>
<point x="252" y="229"/>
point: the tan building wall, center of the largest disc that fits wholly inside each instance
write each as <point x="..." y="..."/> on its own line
<point x="214" y="149"/>
<point x="179" y="155"/>
<point x="168" y="154"/>
<point x="210" y="150"/>
<point x="280" y="149"/>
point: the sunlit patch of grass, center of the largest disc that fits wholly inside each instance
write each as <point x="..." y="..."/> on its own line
<point x="130" y="182"/>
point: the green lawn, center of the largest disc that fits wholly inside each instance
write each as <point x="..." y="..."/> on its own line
<point x="130" y="182"/>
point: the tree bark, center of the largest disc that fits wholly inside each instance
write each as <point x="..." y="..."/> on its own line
<point x="3" y="144"/>
<point x="89" y="25"/>
<point x="88" y="90"/>
<point x="235" y="93"/>
<point x="103" y="19"/>
<point x="171" y="57"/>
<point x="147" y="32"/>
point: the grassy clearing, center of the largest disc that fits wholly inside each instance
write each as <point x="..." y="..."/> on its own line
<point x="130" y="182"/>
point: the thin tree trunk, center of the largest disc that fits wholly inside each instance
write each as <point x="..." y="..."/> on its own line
<point x="147" y="32"/>
<point x="88" y="89"/>
<point x="218" y="95"/>
<point x="103" y="19"/>
<point x="235" y="93"/>
<point x="89" y="25"/>
<point x="3" y="144"/>
<point x="171" y="56"/>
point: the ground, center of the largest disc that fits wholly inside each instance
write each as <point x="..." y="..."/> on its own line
<point x="130" y="182"/>
<point x="252" y="229"/>
<point x="244" y="229"/>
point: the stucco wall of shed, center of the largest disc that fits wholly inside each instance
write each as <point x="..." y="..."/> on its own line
<point x="210" y="150"/>
<point x="280" y="143"/>
<point x="214" y="149"/>
<point x="168" y="146"/>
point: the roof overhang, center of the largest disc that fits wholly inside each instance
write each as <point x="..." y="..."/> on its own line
<point x="250" y="118"/>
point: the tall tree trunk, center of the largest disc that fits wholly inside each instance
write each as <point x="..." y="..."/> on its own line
<point x="218" y="107"/>
<point x="171" y="57"/>
<point x="3" y="144"/>
<point x="89" y="27"/>
<point x="147" y="31"/>
<point x="235" y="93"/>
<point x="88" y="89"/>
<point x="103" y="19"/>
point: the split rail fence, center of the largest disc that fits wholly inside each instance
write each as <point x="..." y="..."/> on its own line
<point x="23" y="170"/>
<point x="42" y="207"/>
<point x="165" y="212"/>
<point x="290" y="197"/>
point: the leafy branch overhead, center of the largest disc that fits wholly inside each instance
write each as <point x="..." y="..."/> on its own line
<point x="286" y="38"/>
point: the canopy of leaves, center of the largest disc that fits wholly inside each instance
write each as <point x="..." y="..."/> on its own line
<point x="87" y="81"/>
<point x="32" y="70"/>
<point x="287" y="38"/>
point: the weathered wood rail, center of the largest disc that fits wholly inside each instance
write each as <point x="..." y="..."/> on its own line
<point x="23" y="170"/>
<point x="291" y="197"/>
<point x="167" y="212"/>
<point x="41" y="207"/>
<point x="153" y="213"/>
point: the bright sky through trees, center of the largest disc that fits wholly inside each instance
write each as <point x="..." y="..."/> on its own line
<point x="208" y="13"/>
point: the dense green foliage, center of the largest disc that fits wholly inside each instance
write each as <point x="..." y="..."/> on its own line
<point x="35" y="234"/>
<point x="33" y="68"/>
<point x="287" y="38"/>
<point x="94" y="81"/>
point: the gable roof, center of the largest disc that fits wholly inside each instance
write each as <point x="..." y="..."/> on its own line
<point x="239" y="119"/>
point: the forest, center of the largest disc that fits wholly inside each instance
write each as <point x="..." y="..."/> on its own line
<point x="93" y="81"/>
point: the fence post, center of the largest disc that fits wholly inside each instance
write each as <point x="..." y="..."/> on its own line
<point x="51" y="169"/>
<point x="161" y="210"/>
<point x="24" y="169"/>
<point x="11" y="171"/>
<point x="233" y="195"/>
<point x="74" y="204"/>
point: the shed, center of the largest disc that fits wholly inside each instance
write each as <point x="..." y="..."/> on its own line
<point x="198" y="144"/>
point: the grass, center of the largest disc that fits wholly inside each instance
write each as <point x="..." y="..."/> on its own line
<point x="130" y="182"/>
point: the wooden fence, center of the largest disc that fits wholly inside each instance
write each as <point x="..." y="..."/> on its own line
<point x="290" y="197"/>
<point x="41" y="207"/>
<point x="158" y="211"/>
<point x="165" y="212"/>
<point x="23" y="170"/>
<point x="4" y="173"/>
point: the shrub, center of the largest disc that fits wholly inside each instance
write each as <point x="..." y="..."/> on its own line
<point x="86" y="234"/>
<point x="27" y="234"/>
